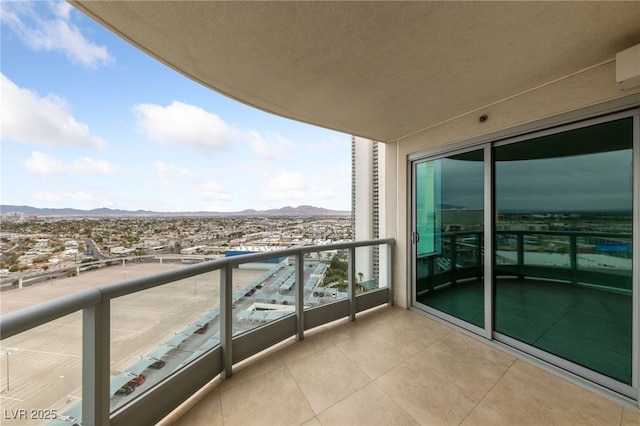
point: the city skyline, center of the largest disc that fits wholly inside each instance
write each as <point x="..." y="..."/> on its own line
<point x="89" y="122"/>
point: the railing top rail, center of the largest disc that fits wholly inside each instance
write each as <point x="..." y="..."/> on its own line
<point x="568" y="233"/>
<point x="25" y="319"/>
<point x="611" y="235"/>
<point x="33" y="316"/>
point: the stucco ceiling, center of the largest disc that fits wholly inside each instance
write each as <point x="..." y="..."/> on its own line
<point x="381" y="70"/>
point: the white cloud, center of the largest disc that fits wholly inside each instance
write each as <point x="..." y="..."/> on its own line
<point x="89" y="166"/>
<point x="70" y="196"/>
<point x="284" y="185"/>
<point x="329" y="144"/>
<point x="165" y="170"/>
<point x="54" y="33"/>
<point x="213" y="191"/>
<point x="290" y="186"/>
<point x="273" y="147"/>
<point x="43" y="164"/>
<point x="190" y="126"/>
<point x="207" y="190"/>
<point x="186" y="126"/>
<point x="73" y="198"/>
<point x="47" y="197"/>
<point x="62" y="9"/>
<point x="28" y="118"/>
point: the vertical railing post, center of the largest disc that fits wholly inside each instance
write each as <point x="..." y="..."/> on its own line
<point x="390" y="250"/>
<point x="453" y="256"/>
<point x="226" y="320"/>
<point x="431" y="268"/>
<point x="95" y="364"/>
<point x="351" y="276"/>
<point x="479" y="249"/>
<point x="573" y="258"/>
<point x="520" y="254"/>
<point x="300" y="296"/>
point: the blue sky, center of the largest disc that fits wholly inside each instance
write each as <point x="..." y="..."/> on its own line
<point x="89" y="121"/>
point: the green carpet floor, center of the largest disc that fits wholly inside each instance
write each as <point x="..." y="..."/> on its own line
<point x="588" y="327"/>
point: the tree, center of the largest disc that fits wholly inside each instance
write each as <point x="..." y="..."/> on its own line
<point x="336" y="272"/>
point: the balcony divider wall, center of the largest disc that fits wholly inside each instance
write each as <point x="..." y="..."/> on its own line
<point x="532" y="241"/>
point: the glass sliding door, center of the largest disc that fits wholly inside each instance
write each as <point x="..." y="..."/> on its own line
<point x="448" y="236"/>
<point x="563" y="246"/>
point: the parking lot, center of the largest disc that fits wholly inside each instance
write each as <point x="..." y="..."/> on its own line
<point x="41" y="369"/>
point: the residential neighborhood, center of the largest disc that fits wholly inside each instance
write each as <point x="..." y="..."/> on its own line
<point x="36" y="245"/>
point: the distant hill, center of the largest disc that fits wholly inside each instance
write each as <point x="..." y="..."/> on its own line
<point x="284" y="211"/>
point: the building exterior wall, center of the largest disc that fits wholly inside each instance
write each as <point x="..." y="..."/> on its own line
<point x="568" y="95"/>
<point x="367" y="199"/>
<point x="362" y="173"/>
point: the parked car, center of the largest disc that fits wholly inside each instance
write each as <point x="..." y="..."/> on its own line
<point x="138" y="380"/>
<point x="125" y="390"/>
<point x="157" y="365"/>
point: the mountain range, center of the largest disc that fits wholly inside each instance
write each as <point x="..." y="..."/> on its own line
<point x="284" y="211"/>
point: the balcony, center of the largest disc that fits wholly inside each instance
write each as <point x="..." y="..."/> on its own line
<point x="153" y="340"/>
<point x="354" y="360"/>
<point x="394" y="366"/>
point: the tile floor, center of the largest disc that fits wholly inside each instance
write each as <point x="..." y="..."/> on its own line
<point x="393" y="366"/>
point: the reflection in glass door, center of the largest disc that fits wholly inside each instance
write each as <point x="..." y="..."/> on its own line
<point x="563" y="249"/>
<point x="563" y="281"/>
<point x="448" y="237"/>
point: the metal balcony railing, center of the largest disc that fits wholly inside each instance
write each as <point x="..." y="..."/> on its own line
<point x="595" y="259"/>
<point x="178" y="386"/>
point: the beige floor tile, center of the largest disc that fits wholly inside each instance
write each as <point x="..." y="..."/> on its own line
<point x="527" y="395"/>
<point x="429" y="398"/>
<point x="630" y="417"/>
<point x="456" y="357"/>
<point x="346" y="330"/>
<point x="413" y="319"/>
<point x="367" y="406"/>
<point x="300" y="350"/>
<point x="415" y="336"/>
<point x="311" y="344"/>
<point x="462" y="343"/>
<point x="206" y="412"/>
<point x="252" y="369"/>
<point x="377" y="353"/>
<point x="326" y="377"/>
<point x="270" y="399"/>
<point x="484" y="415"/>
<point x="377" y="316"/>
<point x="424" y="372"/>
<point x="313" y="422"/>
